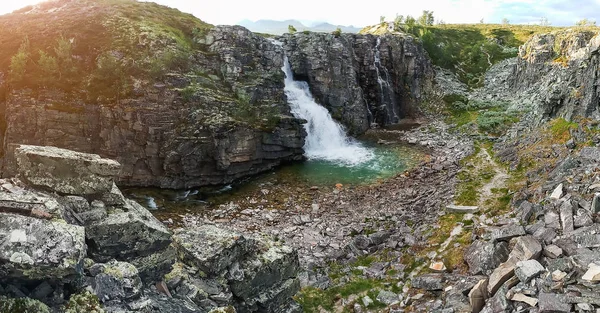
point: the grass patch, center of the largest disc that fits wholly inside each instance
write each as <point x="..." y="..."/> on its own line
<point x="560" y="129"/>
<point x="314" y="299"/>
<point x="491" y="118"/>
<point x="475" y="172"/>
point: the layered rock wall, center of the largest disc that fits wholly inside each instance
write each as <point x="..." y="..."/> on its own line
<point x="179" y="133"/>
<point x="362" y="79"/>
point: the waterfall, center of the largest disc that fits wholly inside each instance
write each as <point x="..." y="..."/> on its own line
<point x="326" y="139"/>
<point x="385" y="89"/>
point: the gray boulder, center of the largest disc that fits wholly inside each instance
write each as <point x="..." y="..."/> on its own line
<point x="116" y="281"/>
<point x="209" y="248"/>
<point x="277" y="263"/>
<point x="40" y="249"/>
<point x="527" y="270"/>
<point x="124" y="235"/>
<point x="65" y="171"/>
<point x="483" y="257"/>
<point x="429" y="282"/>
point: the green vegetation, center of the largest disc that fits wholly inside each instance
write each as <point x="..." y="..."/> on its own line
<point x="492" y="118"/>
<point x="292" y="29"/>
<point x="84" y="302"/>
<point x="79" y="51"/>
<point x="22" y="305"/>
<point x="561" y="129"/>
<point x="315" y="300"/>
<point x="476" y="171"/>
<point x="337" y="32"/>
<point x="585" y="22"/>
<point x="466" y="49"/>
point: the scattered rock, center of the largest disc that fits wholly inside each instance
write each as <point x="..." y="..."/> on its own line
<point x="507" y="232"/>
<point x="557" y="193"/>
<point x="532" y="302"/>
<point x="209" y="248"/>
<point x="462" y="209"/>
<point x="527" y="270"/>
<point x="478" y="295"/>
<point x="552" y="251"/>
<point x="500" y="275"/>
<point x="437" y="267"/>
<point x="367" y="301"/>
<point x="558" y="275"/>
<point x="38" y="249"/>
<point x="428" y="282"/>
<point x="484" y="256"/>
<point x="387" y="297"/>
<point x="553" y="303"/>
<point x="592" y="274"/>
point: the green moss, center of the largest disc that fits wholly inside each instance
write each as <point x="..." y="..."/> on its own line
<point x="22" y="305"/>
<point x="312" y="299"/>
<point x="560" y="129"/>
<point x="84" y="302"/>
<point x="144" y="39"/>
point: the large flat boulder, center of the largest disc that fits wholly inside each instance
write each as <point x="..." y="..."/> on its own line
<point x="65" y="171"/>
<point x="33" y="248"/>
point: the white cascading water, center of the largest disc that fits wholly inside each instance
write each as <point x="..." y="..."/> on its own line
<point x="385" y="88"/>
<point x="326" y="139"/>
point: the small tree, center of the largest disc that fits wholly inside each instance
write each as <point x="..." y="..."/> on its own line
<point x="18" y="62"/>
<point x="48" y="68"/>
<point x="411" y="23"/>
<point x="585" y="22"/>
<point x="398" y="22"/>
<point x="337" y="32"/>
<point x="64" y="57"/>
<point x="481" y="21"/>
<point x="381" y="20"/>
<point x="426" y="19"/>
<point x="291" y="29"/>
<point x="544" y="21"/>
<point x="505" y="21"/>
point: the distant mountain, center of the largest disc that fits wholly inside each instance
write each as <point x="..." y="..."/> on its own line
<point x="281" y="27"/>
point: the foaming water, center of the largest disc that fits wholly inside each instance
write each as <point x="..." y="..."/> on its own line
<point x="326" y="139"/>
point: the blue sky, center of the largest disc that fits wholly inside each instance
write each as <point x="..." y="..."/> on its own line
<point x="558" y="12"/>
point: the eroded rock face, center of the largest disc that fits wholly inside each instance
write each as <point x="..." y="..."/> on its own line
<point x="361" y="79"/>
<point x="166" y="139"/>
<point x="554" y="73"/>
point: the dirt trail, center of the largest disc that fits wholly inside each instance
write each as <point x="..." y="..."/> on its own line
<point x="498" y="181"/>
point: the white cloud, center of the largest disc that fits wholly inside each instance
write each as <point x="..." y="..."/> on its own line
<point x="559" y="12"/>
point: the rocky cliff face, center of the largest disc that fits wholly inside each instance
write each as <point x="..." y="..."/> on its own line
<point x="555" y="73"/>
<point x="91" y="249"/>
<point x="198" y="105"/>
<point x="228" y="120"/>
<point x="362" y="79"/>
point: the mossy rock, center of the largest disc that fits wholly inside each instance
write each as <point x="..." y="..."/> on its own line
<point x="22" y="305"/>
<point x="84" y="302"/>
